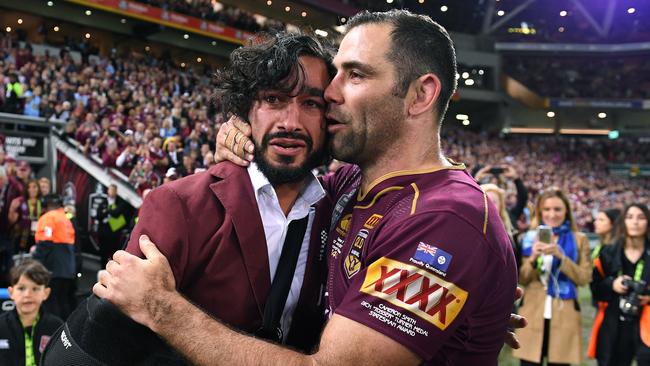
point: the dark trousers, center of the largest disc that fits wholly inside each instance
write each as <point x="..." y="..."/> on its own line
<point x="547" y="327"/>
<point x="62" y="300"/>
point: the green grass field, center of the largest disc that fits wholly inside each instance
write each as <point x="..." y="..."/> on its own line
<point x="588" y="314"/>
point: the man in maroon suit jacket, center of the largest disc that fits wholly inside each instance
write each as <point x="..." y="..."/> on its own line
<point x="210" y="223"/>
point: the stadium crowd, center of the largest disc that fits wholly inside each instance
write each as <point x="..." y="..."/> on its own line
<point x="583" y="77"/>
<point x="217" y="12"/>
<point x="578" y="166"/>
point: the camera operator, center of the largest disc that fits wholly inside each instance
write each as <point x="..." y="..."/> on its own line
<point x="621" y="331"/>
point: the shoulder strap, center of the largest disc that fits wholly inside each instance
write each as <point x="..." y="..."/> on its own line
<point x="279" y="292"/>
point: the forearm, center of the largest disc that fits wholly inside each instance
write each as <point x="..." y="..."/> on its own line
<point x="205" y="341"/>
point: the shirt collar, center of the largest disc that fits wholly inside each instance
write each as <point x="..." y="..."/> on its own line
<point x="310" y="194"/>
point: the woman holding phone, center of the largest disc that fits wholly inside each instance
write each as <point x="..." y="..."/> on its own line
<point x="555" y="263"/>
<point x="621" y="331"/>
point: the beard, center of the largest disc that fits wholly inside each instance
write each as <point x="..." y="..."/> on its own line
<point x="285" y="174"/>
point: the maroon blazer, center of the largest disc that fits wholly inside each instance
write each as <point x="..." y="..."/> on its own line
<point x="209" y="227"/>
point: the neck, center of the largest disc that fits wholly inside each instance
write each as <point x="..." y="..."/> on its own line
<point x="27" y="319"/>
<point x="411" y="153"/>
<point x="288" y="193"/>
<point x="606" y="239"/>
<point x="635" y="243"/>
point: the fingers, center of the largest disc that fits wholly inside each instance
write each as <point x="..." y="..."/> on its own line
<point x="512" y="341"/>
<point x="519" y="293"/>
<point x="231" y="156"/>
<point x="121" y="256"/>
<point x="103" y="277"/>
<point x="149" y="249"/>
<point x="100" y="290"/>
<point x="517" y="322"/>
<point x="242" y="126"/>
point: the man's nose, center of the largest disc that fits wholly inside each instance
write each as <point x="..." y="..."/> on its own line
<point x="332" y="92"/>
<point x="291" y="118"/>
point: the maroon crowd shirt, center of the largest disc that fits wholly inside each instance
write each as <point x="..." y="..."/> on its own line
<point x="423" y="258"/>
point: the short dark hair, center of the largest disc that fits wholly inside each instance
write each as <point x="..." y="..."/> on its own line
<point x="53" y="201"/>
<point x="31" y="269"/>
<point x="270" y="62"/>
<point x="418" y="46"/>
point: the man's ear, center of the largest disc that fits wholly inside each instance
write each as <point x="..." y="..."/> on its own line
<point x="425" y="92"/>
<point x="47" y="291"/>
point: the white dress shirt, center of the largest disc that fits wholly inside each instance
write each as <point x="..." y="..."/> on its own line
<point x="276" y="225"/>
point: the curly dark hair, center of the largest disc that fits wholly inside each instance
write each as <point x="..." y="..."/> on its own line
<point x="270" y="62"/>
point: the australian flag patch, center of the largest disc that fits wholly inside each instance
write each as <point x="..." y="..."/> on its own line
<point x="433" y="256"/>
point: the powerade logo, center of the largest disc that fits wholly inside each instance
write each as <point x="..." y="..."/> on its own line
<point x="416" y="290"/>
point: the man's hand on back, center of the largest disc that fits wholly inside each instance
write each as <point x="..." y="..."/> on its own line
<point x="141" y="288"/>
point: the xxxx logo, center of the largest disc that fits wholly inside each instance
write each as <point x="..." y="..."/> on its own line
<point x="416" y="290"/>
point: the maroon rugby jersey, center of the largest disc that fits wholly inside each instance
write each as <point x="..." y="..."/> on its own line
<point x="424" y="259"/>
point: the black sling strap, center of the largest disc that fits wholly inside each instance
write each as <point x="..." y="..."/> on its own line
<point x="279" y="292"/>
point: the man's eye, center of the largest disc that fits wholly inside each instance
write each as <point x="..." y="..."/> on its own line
<point x="272" y="99"/>
<point x="314" y="104"/>
<point x="355" y="75"/>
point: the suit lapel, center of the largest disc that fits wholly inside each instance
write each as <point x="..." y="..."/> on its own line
<point x="235" y="192"/>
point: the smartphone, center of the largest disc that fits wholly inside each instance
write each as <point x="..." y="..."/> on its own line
<point x="496" y="170"/>
<point x="544" y="234"/>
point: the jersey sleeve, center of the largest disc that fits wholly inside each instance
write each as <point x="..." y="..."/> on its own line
<point x="421" y="279"/>
<point x="162" y="217"/>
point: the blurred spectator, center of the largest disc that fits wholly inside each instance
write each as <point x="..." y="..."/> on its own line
<point x="8" y="193"/>
<point x="13" y="94"/>
<point x="55" y="238"/>
<point x="24" y="213"/>
<point x="552" y="269"/>
<point x="114" y="225"/>
<point x="498" y="198"/>
<point x="23" y="172"/>
<point x="45" y="185"/>
<point x="604" y="226"/>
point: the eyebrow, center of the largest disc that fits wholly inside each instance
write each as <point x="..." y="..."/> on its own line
<point x="366" y="68"/>
<point x="313" y="92"/>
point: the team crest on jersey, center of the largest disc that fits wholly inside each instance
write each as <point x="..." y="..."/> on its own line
<point x="418" y="291"/>
<point x="372" y="221"/>
<point x="353" y="260"/>
<point x="344" y="225"/>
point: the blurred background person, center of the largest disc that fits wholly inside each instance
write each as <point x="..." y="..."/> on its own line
<point x="604" y="227"/>
<point x="24" y="213"/>
<point x="496" y="175"/>
<point x="113" y="225"/>
<point x="551" y="272"/>
<point x="498" y="197"/>
<point x="55" y="239"/>
<point x="621" y="331"/>
<point x="45" y="185"/>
